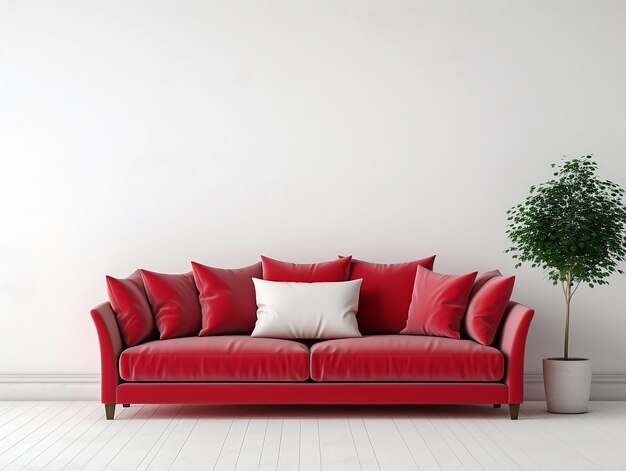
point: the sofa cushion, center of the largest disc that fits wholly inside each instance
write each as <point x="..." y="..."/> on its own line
<point x="405" y="358"/>
<point x="438" y="303"/>
<point x="227" y="298"/>
<point x="486" y="308"/>
<point x="132" y="311"/>
<point x="481" y="280"/>
<point x="385" y="294"/>
<point x="219" y="358"/>
<point x="175" y="304"/>
<point x="335" y="270"/>
<point x="306" y="310"/>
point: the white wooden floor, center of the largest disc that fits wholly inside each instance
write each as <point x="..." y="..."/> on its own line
<point x="75" y="435"/>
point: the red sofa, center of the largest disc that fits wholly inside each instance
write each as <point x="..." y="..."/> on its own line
<point x="374" y="369"/>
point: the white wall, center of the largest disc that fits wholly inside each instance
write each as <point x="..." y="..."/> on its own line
<point x="149" y="133"/>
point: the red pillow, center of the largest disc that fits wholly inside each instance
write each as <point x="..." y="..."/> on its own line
<point x="438" y="303"/>
<point x="482" y="279"/>
<point x="486" y="308"/>
<point x="132" y="311"/>
<point x="227" y="298"/>
<point x="335" y="270"/>
<point x="385" y="294"/>
<point x="174" y="301"/>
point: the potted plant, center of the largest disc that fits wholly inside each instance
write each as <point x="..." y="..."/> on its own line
<point x="574" y="228"/>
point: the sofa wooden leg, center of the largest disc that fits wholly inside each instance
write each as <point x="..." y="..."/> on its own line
<point x="514" y="410"/>
<point x="497" y="406"/>
<point x="125" y="405"/>
<point x="109" y="410"/>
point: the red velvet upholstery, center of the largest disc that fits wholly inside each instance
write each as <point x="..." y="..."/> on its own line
<point x="175" y="304"/>
<point x="218" y="358"/>
<point x="404" y="358"/>
<point x="485" y="309"/>
<point x="227" y="298"/>
<point x="385" y="294"/>
<point x="335" y="270"/>
<point x="312" y="393"/>
<point x="110" y="349"/>
<point x="511" y="341"/>
<point x="481" y="280"/>
<point x="132" y="311"/>
<point x="438" y="303"/>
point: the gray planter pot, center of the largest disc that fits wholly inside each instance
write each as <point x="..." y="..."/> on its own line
<point x="567" y="384"/>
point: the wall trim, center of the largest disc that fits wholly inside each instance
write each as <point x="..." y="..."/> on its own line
<point x="49" y="387"/>
<point x="42" y="387"/>
<point x="49" y="378"/>
<point x="604" y="387"/>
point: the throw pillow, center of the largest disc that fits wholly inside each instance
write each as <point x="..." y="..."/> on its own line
<point x="438" y="303"/>
<point x="132" y="311"/>
<point x="227" y="298"/>
<point x="486" y="308"/>
<point x="306" y="310"/>
<point x="335" y="270"/>
<point x="482" y="279"/>
<point x="175" y="305"/>
<point x="385" y="293"/>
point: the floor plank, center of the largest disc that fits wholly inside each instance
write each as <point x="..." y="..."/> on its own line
<point x="310" y="452"/>
<point x="19" y="412"/>
<point x="271" y="445"/>
<point x="80" y="451"/>
<point x="145" y="439"/>
<point x="12" y="438"/>
<point x="511" y="447"/>
<point x="416" y="445"/>
<point x="252" y="445"/>
<point x="75" y="435"/>
<point x="44" y="436"/>
<point x="229" y="453"/>
<point x="203" y="445"/>
<point x="503" y="460"/>
<point x="67" y="435"/>
<point x="164" y="458"/>
<point x="363" y="445"/>
<point x="69" y="446"/>
<point x="289" y="449"/>
<point x="391" y="451"/>
<point x="106" y="433"/>
<point x="337" y="448"/>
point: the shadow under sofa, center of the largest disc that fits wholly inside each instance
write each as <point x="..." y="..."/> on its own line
<point x="377" y="369"/>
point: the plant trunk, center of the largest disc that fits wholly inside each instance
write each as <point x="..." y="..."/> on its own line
<point x="566" y="344"/>
<point x="568" y="299"/>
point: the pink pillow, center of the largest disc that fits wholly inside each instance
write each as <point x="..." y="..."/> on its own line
<point x="227" y="298"/>
<point x="486" y="308"/>
<point x="174" y="301"/>
<point x="385" y="294"/>
<point x="438" y="303"/>
<point x="132" y="311"/>
<point x="335" y="270"/>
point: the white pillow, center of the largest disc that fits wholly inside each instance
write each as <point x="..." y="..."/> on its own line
<point x="306" y="310"/>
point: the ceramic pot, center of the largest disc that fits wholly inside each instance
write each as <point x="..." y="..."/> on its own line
<point x="567" y="383"/>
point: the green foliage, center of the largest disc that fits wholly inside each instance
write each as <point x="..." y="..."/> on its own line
<point x="572" y="226"/>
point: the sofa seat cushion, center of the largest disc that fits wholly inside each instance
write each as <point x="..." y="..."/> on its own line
<point x="405" y="358"/>
<point x="218" y="358"/>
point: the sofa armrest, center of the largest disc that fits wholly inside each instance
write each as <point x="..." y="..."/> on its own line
<point x="111" y="347"/>
<point x="511" y="341"/>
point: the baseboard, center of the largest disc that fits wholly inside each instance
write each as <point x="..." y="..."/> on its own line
<point x="83" y="387"/>
<point x="49" y="387"/>
<point x="604" y="387"/>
